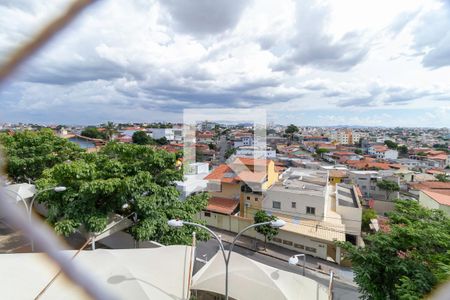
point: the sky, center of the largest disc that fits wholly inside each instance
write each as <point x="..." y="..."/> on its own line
<point x="320" y="63"/>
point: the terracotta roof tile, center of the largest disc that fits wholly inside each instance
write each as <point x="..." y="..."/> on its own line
<point x="438" y="197"/>
<point x="222" y="205"/>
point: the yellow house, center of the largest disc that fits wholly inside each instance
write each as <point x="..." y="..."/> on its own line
<point x="245" y="180"/>
<point x="336" y="176"/>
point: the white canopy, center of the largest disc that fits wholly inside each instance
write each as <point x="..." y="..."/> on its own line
<point x="250" y="280"/>
<point x="159" y="273"/>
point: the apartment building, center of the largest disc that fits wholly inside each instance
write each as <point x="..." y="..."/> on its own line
<point x="318" y="213"/>
<point x="347" y="137"/>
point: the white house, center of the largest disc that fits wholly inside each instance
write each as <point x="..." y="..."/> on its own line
<point x="383" y="152"/>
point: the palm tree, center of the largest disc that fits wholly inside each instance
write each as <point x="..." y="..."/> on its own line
<point x="110" y="129"/>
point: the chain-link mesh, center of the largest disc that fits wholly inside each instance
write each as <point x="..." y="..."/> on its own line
<point x="42" y="235"/>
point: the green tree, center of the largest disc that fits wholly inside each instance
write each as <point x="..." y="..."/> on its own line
<point x="321" y="151"/>
<point x="230" y="152"/>
<point x="367" y="215"/>
<point x="162" y="141"/>
<point x="29" y="153"/>
<point x="403" y="149"/>
<point x="266" y="230"/>
<point x="391" y="144"/>
<point x="409" y="260"/>
<point x="388" y="186"/>
<point x="290" y="130"/>
<point x="142" y="138"/>
<point x="93" y="132"/>
<point x="99" y="184"/>
<point x="358" y="151"/>
<point x="110" y="130"/>
<point x="442" y="177"/>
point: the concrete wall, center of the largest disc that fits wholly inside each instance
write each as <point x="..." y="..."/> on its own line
<point x="286" y="239"/>
<point x="302" y="200"/>
<point x="429" y="202"/>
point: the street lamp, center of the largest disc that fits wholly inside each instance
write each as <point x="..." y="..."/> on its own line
<point x="293" y="260"/>
<point x="56" y="189"/>
<point x="278" y="223"/>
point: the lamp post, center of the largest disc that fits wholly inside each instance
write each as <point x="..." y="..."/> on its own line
<point x="179" y="223"/>
<point x="56" y="189"/>
<point x="293" y="260"/>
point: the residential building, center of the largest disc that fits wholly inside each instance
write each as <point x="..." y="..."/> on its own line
<point x="376" y="198"/>
<point x="243" y="141"/>
<point x="206" y="137"/>
<point x="256" y="152"/>
<point x="435" y="200"/>
<point x="238" y="186"/>
<point x="382" y="152"/>
<point x="193" y="180"/>
<point x="318" y="213"/>
<point x="171" y="134"/>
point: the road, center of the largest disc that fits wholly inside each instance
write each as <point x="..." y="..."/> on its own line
<point x="223" y="147"/>
<point x="341" y="290"/>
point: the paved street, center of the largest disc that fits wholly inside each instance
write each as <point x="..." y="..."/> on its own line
<point x="223" y="147"/>
<point x="341" y="290"/>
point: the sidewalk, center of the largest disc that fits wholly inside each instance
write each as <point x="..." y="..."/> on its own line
<point x="344" y="274"/>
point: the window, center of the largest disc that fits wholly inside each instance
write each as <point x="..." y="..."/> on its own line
<point x="372" y="188"/>
<point x="310" y="249"/>
<point x="277" y="240"/>
<point x="276" y="204"/>
<point x="289" y="243"/>
<point x="256" y="198"/>
<point x="207" y="214"/>
<point x="298" y="246"/>
<point x="294" y="204"/>
<point x="248" y="197"/>
<point x="310" y="210"/>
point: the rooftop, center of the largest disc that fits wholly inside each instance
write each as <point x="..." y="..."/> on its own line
<point x="222" y="205"/>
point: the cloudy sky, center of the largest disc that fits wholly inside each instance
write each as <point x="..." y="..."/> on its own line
<point x="348" y="62"/>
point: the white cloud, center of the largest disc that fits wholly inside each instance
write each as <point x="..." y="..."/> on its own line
<point x="151" y="59"/>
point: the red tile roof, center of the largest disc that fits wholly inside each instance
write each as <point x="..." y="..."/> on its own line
<point x="219" y="174"/>
<point x="252" y="176"/>
<point x="251" y="161"/>
<point x="438" y="197"/>
<point x="222" y="205"/>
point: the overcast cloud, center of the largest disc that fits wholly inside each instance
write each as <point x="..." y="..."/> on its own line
<point x="307" y="62"/>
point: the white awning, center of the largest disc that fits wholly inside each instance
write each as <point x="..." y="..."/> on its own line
<point x="158" y="273"/>
<point x="250" y="280"/>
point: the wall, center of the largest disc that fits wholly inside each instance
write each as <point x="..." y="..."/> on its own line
<point x="228" y="190"/>
<point x="286" y="197"/>
<point x="284" y="238"/>
<point x="429" y="202"/>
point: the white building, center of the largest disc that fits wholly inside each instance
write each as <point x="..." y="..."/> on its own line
<point x="256" y="152"/>
<point x="382" y="152"/>
<point x="317" y="212"/>
<point x="243" y="141"/>
<point x="171" y="134"/>
<point x="193" y="180"/>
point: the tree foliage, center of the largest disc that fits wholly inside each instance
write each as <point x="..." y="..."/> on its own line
<point x="403" y="149"/>
<point x="391" y="144"/>
<point x="266" y="230"/>
<point x="409" y="260"/>
<point x="100" y="183"/>
<point x="442" y="178"/>
<point x="367" y="215"/>
<point x="291" y="129"/>
<point x="388" y="186"/>
<point x="142" y="138"/>
<point x="29" y="153"/>
<point x="94" y="133"/>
